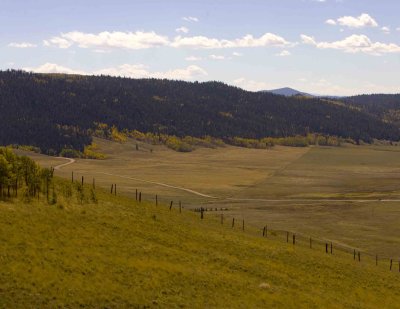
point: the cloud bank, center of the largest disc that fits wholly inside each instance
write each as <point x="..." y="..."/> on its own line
<point x="143" y="40"/>
<point x="125" y="70"/>
<point x="354" y="44"/>
<point x="362" y="21"/>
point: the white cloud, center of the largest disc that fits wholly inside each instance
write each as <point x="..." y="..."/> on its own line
<point x="354" y="44"/>
<point x="22" y="45"/>
<point x="364" y="20"/>
<point x="217" y="57"/>
<point x="308" y="39"/>
<point x="330" y="22"/>
<point x="142" y="40"/>
<point x="283" y="53"/>
<point x="127" y="70"/>
<point x="385" y="30"/>
<point x="53" y="68"/>
<point x="236" y="54"/>
<point x="202" y="42"/>
<point x="104" y="40"/>
<point x="398" y="29"/>
<point x="182" y="30"/>
<point x="141" y="71"/>
<point x="190" y="72"/>
<point x="252" y="85"/>
<point x="190" y="19"/>
<point x="58" y="42"/>
<point x="193" y="58"/>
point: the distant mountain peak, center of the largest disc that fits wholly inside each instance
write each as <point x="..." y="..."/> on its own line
<point x="288" y="92"/>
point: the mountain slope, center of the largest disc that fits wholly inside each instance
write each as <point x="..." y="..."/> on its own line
<point x="286" y="91"/>
<point x="384" y="106"/>
<point x="119" y="253"/>
<point x="55" y="111"/>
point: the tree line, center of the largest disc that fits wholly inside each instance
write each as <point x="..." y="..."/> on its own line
<point x="22" y="174"/>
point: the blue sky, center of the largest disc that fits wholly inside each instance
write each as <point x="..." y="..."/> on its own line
<point x="336" y="47"/>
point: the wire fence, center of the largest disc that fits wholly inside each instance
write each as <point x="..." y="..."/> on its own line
<point x="294" y="238"/>
<point x="303" y="240"/>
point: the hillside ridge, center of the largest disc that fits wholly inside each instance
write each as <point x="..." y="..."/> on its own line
<point x="60" y="111"/>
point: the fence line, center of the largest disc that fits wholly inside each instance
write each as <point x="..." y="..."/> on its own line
<point x="295" y="238"/>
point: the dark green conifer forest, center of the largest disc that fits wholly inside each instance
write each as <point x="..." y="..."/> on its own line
<point x="57" y="111"/>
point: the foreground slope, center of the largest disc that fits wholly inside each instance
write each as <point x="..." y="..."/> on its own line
<point x="119" y="253"/>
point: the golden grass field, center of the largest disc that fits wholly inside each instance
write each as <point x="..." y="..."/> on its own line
<point x="349" y="195"/>
<point x="118" y="253"/>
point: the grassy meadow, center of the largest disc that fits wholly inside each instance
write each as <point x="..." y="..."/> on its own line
<point x="334" y="193"/>
<point x="118" y="253"/>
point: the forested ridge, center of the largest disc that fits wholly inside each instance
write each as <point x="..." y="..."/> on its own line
<point x="54" y="111"/>
<point x="384" y="106"/>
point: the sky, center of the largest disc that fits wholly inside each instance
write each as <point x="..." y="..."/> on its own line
<point x="326" y="47"/>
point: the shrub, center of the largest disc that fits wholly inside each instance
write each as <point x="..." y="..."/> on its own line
<point x="70" y="153"/>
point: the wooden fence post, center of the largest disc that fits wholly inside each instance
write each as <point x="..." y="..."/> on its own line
<point x="82" y="180"/>
<point x="376" y="260"/>
<point x="140" y="197"/>
<point x="233" y="222"/>
<point x="201" y="213"/>
<point x="264" y="231"/>
<point x="331" y="248"/>
<point x="326" y="247"/>
<point x="170" y="205"/>
<point x="294" y="239"/>
<point x="72" y="177"/>
<point x="112" y="188"/>
<point x="310" y="243"/>
<point x="180" y="207"/>
<point x="94" y="184"/>
<point x="391" y="263"/>
<point x="156" y="200"/>
<point x="222" y="218"/>
<point x="243" y="225"/>
<point x="354" y="254"/>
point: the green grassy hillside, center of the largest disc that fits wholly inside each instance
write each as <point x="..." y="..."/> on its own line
<point x="347" y="194"/>
<point x="119" y="253"/>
